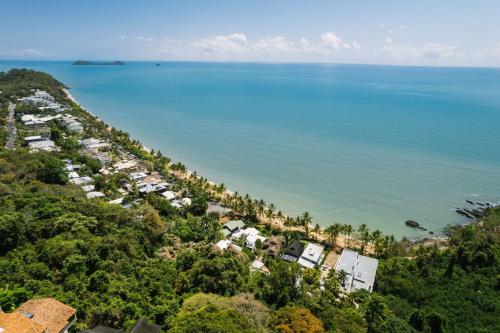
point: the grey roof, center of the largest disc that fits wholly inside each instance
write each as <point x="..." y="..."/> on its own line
<point x="295" y="248"/>
<point x="215" y="208"/>
<point x="234" y="225"/>
<point x="142" y="326"/>
<point x="102" y="329"/>
<point x="361" y="270"/>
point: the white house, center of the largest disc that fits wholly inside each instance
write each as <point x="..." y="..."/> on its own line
<point x="169" y="195"/>
<point x="81" y="180"/>
<point x="93" y="195"/>
<point x="360" y="270"/>
<point x="312" y="255"/>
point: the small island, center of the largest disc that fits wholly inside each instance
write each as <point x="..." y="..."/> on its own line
<point x="86" y="62"/>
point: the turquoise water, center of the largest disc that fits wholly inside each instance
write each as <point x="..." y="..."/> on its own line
<point x="348" y="143"/>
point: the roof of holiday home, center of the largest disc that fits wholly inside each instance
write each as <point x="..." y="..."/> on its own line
<point x="48" y="312"/>
<point x="142" y="326"/>
<point x="295" y="248"/>
<point x="102" y="329"/>
<point x="125" y="165"/>
<point x="19" y="323"/>
<point x="233" y="225"/>
<point x="215" y="208"/>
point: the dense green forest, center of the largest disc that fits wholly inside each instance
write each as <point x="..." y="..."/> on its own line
<point x="115" y="265"/>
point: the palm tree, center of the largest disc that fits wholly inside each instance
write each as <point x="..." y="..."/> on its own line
<point x="289" y="222"/>
<point x="342" y="276"/>
<point x="364" y="235"/>
<point x="348" y="230"/>
<point x="335" y="231"/>
<point x="306" y="222"/>
<point x="375" y="238"/>
<point x="317" y="230"/>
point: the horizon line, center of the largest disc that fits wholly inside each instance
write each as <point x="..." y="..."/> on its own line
<point x="261" y="62"/>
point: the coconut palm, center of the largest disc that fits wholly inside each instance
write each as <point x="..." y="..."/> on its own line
<point x="306" y="222"/>
<point x="317" y="230"/>
<point x="335" y="230"/>
<point x="348" y="230"/>
<point x="376" y="237"/>
<point x="342" y="276"/>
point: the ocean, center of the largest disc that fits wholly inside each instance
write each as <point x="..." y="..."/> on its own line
<point x="348" y="143"/>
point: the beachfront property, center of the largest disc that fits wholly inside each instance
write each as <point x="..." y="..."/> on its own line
<point x="361" y="270"/>
<point x="42" y="145"/>
<point x="93" y="144"/>
<point x="214" y="208"/>
<point x="94" y="195"/>
<point x="126" y="166"/>
<point x="39" y="98"/>
<point x="273" y="245"/>
<point x="45" y="315"/>
<point x="311" y="256"/>
<point x="251" y="236"/>
<point x="81" y="180"/>
<point x="72" y="124"/>
<point x="293" y="251"/>
<point x="232" y="227"/>
<point x="88" y="188"/>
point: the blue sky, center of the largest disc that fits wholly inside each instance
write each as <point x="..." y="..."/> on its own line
<point x="419" y="32"/>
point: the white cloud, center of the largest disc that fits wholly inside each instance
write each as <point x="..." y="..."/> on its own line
<point x="428" y="50"/>
<point x="123" y="37"/>
<point x="435" y="50"/>
<point x="331" y="40"/>
<point x="237" y="46"/>
<point x="145" y="39"/>
<point x="274" y="44"/>
<point x="233" y="43"/>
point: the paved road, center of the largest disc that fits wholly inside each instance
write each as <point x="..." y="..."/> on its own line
<point x="11" y="127"/>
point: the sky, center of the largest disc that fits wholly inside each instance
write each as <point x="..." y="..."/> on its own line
<point x="409" y="32"/>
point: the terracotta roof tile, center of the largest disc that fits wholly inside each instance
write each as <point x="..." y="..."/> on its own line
<point x="48" y="312"/>
<point x="17" y="323"/>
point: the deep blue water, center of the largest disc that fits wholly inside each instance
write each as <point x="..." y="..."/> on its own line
<point x="348" y="143"/>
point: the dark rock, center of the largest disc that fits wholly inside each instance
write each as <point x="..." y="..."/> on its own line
<point x="412" y="224"/>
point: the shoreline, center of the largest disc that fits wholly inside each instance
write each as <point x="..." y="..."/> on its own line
<point x="277" y="223"/>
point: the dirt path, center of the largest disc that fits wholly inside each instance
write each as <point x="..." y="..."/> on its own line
<point x="11" y="127"/>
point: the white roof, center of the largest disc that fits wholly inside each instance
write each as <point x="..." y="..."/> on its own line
<point x="73" y="174"/>
<point x="186" y="201"/>
<point x="125" y="165"/>
<point x="252" y="239"/>
<point x="250" y="231"/>
<point x="81" y="180"/>
<point x="116" y="201"/>
<point x="361" y="270"/>
<point x="176" y="204"/>
<point x="257" y="265"/>
<point x="137" y="175"/>
<point x="27" y="117"/>
<point x="223" y="244"/>
<point x="33" y="138"/>
<point x="88" y="188"/>
<point x="169" y="195"/>
<point x="42" y="144"/>
<point x="92" y="195"/>
<point x="311" y="256"/>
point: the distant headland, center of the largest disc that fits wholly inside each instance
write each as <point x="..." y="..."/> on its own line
<point x="85" y="62"/>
